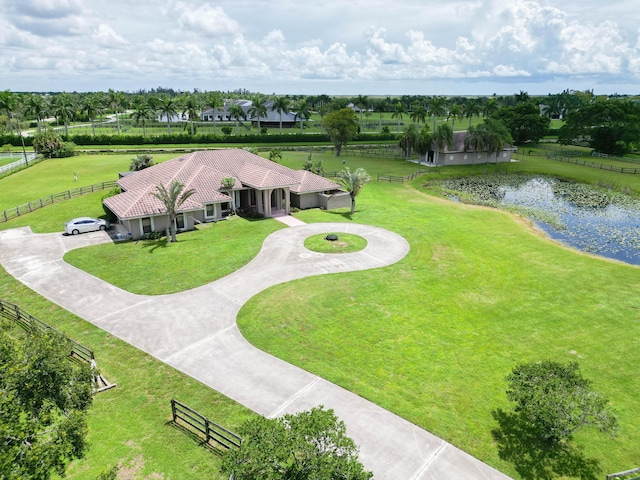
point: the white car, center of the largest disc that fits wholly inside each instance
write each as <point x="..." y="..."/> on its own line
<point x="85" y="224"/>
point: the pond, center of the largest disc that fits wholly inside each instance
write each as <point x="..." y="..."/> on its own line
<point x="589" y="218"/>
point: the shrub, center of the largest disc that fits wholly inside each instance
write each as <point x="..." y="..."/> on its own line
<point x="48" y="143"/>
<point x="226" y="130"/>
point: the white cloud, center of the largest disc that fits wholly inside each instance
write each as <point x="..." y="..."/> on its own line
<point x="205" y="19"/>
<point x="106" y="37"/>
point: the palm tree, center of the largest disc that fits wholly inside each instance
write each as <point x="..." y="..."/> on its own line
<point x="442" y="137"/>
<point x="236" y="112"/>
<point x="475" y="141"/>
<point x="64" y="108"/>
<point x="491" y="136"/>
<point x="190" y="106"/>
<point x="381" y="106"/>
<point x="362" y="103"/>
<point x="455" y="112"/>
<point x="92" y="107"/>
<point x="8" y="104"/>
<point x="169" y="109"/>
<point x="258" y="109"/>
<point x="214" y="101"/>
<point x="419" y="114"/>
<point x="140" y="162"/>
<point x="423" y="143"/>
<point x="141" y="113"/>
<point x="471" y="109"/>
<point x="116" y="100"/>
<point x="302" y="112"/>
<point x="37" y="106"/>
<point x="172" y="199"/>
<point x="408" y="140"/>
<point x="490" y="108"/>
<point x="275" y="154"/>
<point x="353" y="182"/>
<point x="437" y="109"/>
<point x="280" y="105"/>
<point x="398" y="112"/>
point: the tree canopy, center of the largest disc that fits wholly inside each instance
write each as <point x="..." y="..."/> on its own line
<point x="310" y="445"/>
<point x="341" y="125"/>
<point x="555" y="400"/>
<point x="524" y="122"/>
<point x="172" y="198"/>
<point x="43" y="402"/>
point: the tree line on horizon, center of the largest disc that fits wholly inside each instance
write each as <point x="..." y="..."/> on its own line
<point x="603" y="122"/>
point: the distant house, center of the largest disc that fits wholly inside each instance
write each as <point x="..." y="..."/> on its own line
<point x="260" y="187"/>
<point x="455" y="154"/>
<point x="271" y="120"/>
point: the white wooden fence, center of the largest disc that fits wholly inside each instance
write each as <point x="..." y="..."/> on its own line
<point x="20" y="163"/>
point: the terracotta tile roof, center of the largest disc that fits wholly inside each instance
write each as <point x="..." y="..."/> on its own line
<point x="203" y="171"/>
<point x="142" y="203"/>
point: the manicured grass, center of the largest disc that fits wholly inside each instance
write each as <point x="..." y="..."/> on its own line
<point x="56" y="175"/>
<point x="130" y="424"/>
<point x="432" y="337"/>
<point x="346" y="243"/>
<point x="199" y="257"/>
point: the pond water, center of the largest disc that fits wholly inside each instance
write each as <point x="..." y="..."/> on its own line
<point x="588" y="218"/>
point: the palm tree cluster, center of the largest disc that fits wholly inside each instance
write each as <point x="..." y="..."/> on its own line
<point x="491" y="136"/>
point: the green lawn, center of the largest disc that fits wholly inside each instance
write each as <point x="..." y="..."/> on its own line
<point x="129" y="424"/>
<point x="432" y="337"/>
<point x="202" y="256"/>
<point x="56" y="175"/>
<point x="346" y="243"/>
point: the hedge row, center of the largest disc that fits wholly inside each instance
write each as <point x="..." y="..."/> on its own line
<point x="185" y="139"/>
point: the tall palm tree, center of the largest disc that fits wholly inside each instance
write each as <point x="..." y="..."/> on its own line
<point x="214" y="101"/>
<point x="92" y="107"/>
<point x="116" y="100"/>
<point x="408" y="140"/>
<point x="455" y="112"/>
<point x="37" y="106"/>
<point x="280" y="105"/>
<point x="437" y="108"/>
<point x="169" y="109"/>
<point x="442" y="137"/>
<point x="362" y="102"/>
<point x="302" y="112"/>
<point x="418" y="114"/>
<point x="471" y="109"/>
<point x="353" y="182"/>
<point x="258" y="110"/>
<point x="423" y="143"/>
<point x="141" y="113"/>
<point x="190" y="106"/>
<point x="381" y="106"/>
<point x="398" y="112"/>
<point x="172" y="199"/>
<point x="64" y="108"/>
<point x="490" y="108"/>
<point x="236" y="112"/>
<point x="8" y="105"/>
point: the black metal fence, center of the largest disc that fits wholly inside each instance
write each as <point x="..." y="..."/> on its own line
<point x="183" y="415"/>
<point x="14" y="212"/>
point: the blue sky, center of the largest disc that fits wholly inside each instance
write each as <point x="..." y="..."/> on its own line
<point x="371" y="47"/>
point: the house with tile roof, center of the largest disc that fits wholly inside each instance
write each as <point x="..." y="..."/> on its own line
<point x="270" y="120"/>
<point x="255" y="186"/>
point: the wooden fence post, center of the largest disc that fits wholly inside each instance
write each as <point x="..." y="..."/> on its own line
<point x="173" y="409"/>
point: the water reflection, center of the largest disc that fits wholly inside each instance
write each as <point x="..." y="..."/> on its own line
<point x="587" y="218"/>
<point x="612" y="231"/>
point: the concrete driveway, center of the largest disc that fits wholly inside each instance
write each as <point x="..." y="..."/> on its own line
<point x="195" y="332"/>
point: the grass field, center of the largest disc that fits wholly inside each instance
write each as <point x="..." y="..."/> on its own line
<point x="430" y="338"/>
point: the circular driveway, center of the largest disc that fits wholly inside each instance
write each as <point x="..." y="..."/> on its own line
<point x="195" y="332"/>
